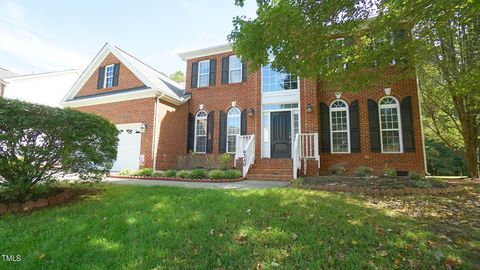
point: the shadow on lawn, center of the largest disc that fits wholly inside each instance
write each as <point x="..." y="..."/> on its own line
<point x="148" y="227"/>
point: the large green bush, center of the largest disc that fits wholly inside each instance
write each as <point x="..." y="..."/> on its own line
<point x="39" y="143"/>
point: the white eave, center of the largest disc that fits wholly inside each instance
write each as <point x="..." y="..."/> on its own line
<point x="154" y="81"/>
<point x="206" y="51"/>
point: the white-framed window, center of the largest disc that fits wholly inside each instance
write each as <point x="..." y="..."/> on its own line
<point x="203" y="73"/>
<point x="233" y="129"/>
<point x="201" y="132"/>
<point x="273" y="80"/>
<point x="391" y="137"/>
<point x="108" y="80"/>
<point x="234" y="69"/>
<point x="339" y="127"/>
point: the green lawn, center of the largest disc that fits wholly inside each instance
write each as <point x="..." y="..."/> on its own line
<point x="133" y="227"/>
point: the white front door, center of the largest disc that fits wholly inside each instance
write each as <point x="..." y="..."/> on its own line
<point x="128" y="153"/>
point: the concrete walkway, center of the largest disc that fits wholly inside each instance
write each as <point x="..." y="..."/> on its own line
<point x="247" y="184"/>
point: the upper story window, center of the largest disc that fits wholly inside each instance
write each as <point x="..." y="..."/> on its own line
<point x="339" y="122"/>
<point x="203" y="73"/>
<point x="273" y="81"/>
<point x="108" y="81"/>
<point x="233" y="129"/>
<point x="235" y="69"/>
<point x="389" y="110"/>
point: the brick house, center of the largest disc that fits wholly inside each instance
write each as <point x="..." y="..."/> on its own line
<point x="273" y="124"/>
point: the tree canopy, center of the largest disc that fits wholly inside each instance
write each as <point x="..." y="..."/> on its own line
<point x="353" y="45"/>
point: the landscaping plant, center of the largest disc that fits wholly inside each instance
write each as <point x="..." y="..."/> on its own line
<point x="390" y="172"/>
<point x="39" y="143"/>
<point x="216" y="174"/>
<point x="144" y="172"/>
<point x="224" y="161"/>
<point x="183" y="174"/>
<point x="198" y="174"/>
<point x="232" y="174"/>
<point x="364" y="171"/>
<point x="170" y="173"/>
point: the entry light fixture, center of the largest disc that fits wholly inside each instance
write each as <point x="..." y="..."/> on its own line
<point x="388" y="91"/>
<point x="143" y="127"/>
<point x="250" y="112"/>
<point x="309" y="108"/>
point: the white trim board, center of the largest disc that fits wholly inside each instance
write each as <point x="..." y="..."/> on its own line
<point x="122" y="57"/>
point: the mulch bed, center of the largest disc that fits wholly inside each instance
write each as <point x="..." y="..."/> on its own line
<point x="371" y="182"/>
<point x="380" y="186"/>
<point x="226" y="180"/>
<point x="55" y="196"/>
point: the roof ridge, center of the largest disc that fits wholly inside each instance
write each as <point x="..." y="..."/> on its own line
<point x="154" y="69"/>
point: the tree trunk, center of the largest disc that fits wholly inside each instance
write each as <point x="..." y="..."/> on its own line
<point x="471" y="149"/>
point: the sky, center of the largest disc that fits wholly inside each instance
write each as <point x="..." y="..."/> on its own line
<point x="49" y="35"/>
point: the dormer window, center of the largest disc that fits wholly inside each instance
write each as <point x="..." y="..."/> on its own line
<point x="203" y="73"/>
<point x="108" y="83"/>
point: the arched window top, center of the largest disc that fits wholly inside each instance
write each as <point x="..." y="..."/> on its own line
<point x="234" y="112"/>
<point x="201" y="114"/>
<point x="339" y="105"/>
<point x="388" y="101"/>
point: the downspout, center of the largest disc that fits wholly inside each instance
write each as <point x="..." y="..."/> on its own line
<point x="155" y="130"/>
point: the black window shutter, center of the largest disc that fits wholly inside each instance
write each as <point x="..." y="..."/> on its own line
<point x="191" y="133"/>
<point x="354" y="127"/>
<point x="213" y="72"/>
<point x="222" y="138"/>
<point x="116" y="71"/>
<point x="225" y="69"/>
<point x="374" y="126"/>
<point x="194" y="75"/>
<point x="243" y="123"/>
<point x="244" y="72"/>
<point x="210" y="119"/>
<point x="101" y="76"/>
<point x="324" y="127"/>
<point x="407" y="125"/>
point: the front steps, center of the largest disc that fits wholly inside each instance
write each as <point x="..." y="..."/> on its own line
<point x="271" y="169"/>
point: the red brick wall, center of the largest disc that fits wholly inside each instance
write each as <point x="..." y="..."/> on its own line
<point x="132" y="111"/>
<point x="172" y="137"/>
<point x="220" y="97"/>
<point x="126" y="79"/>
<point x="413" y="161"/>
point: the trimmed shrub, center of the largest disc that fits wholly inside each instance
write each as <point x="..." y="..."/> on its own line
<point x="224" y="161"/>
<point x="216" y="174"/>
<point x="40" y="143"/>
<point x="158" y="174"/>
<point x="390" y="172"/>
<point x="183" y="174"/>
<point x="144" y="172"/>
<point x="198" y="174"/>
<point x="364" y="171"/>
<point x="170" y="173"/>
<point x="414" y="176"/>
<point x="232" y="174"/>
<point x="423" y="184"/>
<point x="126" y="172"/>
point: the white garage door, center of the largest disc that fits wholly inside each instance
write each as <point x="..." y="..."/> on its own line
<point x="128" y="156"/>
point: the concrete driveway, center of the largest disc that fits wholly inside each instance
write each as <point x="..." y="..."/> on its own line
<point x="247" y="184"/>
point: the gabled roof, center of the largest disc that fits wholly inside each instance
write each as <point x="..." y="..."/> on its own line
<point x="157" y="83"/>
<point x="206" y="51"/>
<point x="5" y="73"/>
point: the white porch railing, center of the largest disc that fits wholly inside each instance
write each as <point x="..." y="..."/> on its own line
<point x="245" y="149"/>
<point x="305" y="147"/>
